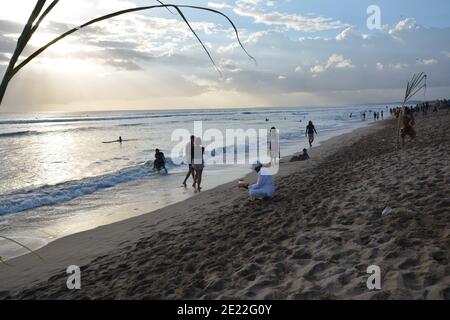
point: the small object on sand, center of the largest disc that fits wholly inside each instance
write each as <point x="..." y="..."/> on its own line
<point x="386" y="211"/>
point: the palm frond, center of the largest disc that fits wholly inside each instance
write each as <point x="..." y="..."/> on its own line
<point x="28" y="32"/>
<point x="20" y="46"/>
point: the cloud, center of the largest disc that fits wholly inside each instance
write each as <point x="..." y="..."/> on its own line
<point x="335" y="61"/>
<point x="406" y="24"/>
<point x="219" y="6"/>
<point x="151" y="60"/>
<point x="347" y="33"/>
<point x="290" y="21"/>
<point x="427" y="62"/>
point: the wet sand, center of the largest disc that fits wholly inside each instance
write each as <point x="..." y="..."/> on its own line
<point x="313" y="240"/>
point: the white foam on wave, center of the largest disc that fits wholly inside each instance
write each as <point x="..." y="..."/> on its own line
<point x="27" y="199"/>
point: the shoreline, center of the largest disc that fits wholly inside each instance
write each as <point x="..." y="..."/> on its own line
<point x="160" y="218"/>
<point x="112" y="211"/>
<point x="184" y="250"/>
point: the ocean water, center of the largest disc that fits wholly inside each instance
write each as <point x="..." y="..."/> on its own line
<point x="58" y="176"/>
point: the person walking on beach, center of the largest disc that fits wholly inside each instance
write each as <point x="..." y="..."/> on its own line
<point x="189" y="160"/>
<point x="310" y="130"/>
<point x="374" y="116"/>
<point x="198" y="163"/>
<point x="382" y="115"/>
<point x="264" y="186"/>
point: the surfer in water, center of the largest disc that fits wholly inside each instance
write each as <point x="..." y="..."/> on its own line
<point x="120" y="139"/>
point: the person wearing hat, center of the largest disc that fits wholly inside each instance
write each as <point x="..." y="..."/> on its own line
<point x="264" y="186"/>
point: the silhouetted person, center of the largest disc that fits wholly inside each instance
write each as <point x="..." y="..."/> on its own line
<point x="302" y="157"/>
<point x="310" y="131"/>
<point x="198" y="163"/>
<point x="160" y="161"/>
<point x="408" y="125"/>
<point x="190" y="160"/>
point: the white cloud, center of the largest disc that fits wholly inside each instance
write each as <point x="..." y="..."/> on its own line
<point x="290" y="21"/>
<point x="427" y="62"/>
<point x="219" y="6"/>
<point x="398" y="66"/>
<point x="406" y="24"/>
<point x="379" y="66"/>
<point x="335" y="61"/>
<point x="347" y="33"/>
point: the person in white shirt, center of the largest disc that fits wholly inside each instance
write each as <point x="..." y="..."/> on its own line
<point x="264" y="186"/>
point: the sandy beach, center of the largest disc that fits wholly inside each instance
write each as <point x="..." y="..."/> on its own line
<point x="313" y="240"/>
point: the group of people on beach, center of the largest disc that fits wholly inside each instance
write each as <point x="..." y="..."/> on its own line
<point x="264" y="186"/>
<point x="194" y="158"/>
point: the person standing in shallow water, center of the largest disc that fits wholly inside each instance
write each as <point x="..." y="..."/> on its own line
<point x="198" y="163"/>
<point x="190" y="160"/>
<point x="310" y="131"/>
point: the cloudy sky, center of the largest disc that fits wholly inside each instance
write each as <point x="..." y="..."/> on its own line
<point x="308" y="52"/>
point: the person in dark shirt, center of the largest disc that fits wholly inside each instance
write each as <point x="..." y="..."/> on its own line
<point x="190" y="160"/>
<point x="160" y="161"/>
<point x="310" y="130"/>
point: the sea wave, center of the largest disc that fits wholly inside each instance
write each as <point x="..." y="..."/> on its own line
<point x="27" y="199"/>
<point x="110" y="118"/>
<point x="18" y="134"/>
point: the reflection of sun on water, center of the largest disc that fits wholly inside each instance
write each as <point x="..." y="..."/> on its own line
<point x="55" y="162"/>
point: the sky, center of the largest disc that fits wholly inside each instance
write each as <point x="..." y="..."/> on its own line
<point x="308" y="53"/>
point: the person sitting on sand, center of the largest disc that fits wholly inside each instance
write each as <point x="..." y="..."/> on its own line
<point x="310" y="130"/>
<point x="302" y="157"/>
<point x="189" y="160"/>
<point x="160" y="161"/>
<point x="264" y="186"/>
<point x="408" y="125"/>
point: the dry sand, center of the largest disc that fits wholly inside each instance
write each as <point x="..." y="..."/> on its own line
<point x="313" y="240"/>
